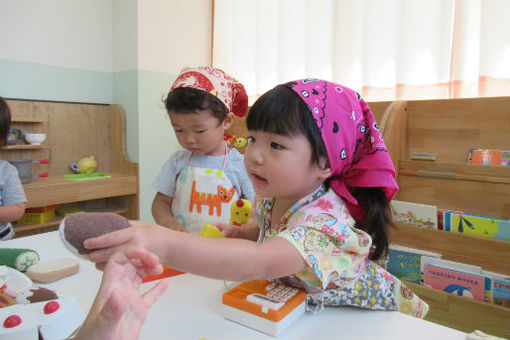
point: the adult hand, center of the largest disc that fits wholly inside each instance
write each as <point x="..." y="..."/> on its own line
<point x="119" y="310"/>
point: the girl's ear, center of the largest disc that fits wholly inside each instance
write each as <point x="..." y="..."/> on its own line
<point x="324" y="168"/>
<point x="228" y="121"/>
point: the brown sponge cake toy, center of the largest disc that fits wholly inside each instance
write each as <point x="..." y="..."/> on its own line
<point x="76" y="228"/>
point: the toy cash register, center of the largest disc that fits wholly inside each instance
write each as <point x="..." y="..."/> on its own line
<point x="264" y="305"/>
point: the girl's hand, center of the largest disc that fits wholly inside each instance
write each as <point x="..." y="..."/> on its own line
<point x="229" y="231"/>
<point x="141" y="234"/>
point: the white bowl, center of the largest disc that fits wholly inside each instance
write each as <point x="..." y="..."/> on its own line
<point x="35" y="138"/>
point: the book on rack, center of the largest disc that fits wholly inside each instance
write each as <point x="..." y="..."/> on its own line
<point x="405" y="262"/>
<point x="483" y="226"/>
<point x="500" y="288"/>
<point x="457" y="278"/>
<point x="421" y="215"/>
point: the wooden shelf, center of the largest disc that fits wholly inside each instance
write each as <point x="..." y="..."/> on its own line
<point x="28" y="120"/>
<point x="56" y="189"/>
<point x="456" y="247"/>
<point x="456" y="171"/>
<point x="25" y="147"/>
<point x="449" y="128"/>
<point x="463" y="313"/>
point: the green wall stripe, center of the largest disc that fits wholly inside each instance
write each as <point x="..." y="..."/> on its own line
<point x="45" y="82"/>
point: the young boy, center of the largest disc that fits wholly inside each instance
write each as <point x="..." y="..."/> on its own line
<point x="12" y="196"/>
<point x="197" y="185"/>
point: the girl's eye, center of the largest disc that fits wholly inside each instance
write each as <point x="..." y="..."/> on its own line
<point x="276" y="146"/>
<point x="251" y="139"/>
<point x="201" y="131"/>
<point x="177" y="130"/>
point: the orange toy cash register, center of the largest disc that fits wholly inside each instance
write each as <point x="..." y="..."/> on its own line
<point x="264" y="305"/>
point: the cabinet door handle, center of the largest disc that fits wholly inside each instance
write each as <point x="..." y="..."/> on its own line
<point x="437" y="173"/>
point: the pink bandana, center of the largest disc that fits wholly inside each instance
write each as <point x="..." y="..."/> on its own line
<point x="218" y="83"/>
<point x="357" y="154"/>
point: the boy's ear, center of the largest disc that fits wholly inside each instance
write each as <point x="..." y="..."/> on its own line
<point x="228" y="121"/>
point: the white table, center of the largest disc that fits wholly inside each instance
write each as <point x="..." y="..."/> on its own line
<point x="190" y="308"/>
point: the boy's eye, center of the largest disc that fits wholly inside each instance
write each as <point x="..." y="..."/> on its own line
<point x="177" y="130"/>
<point x="200" y="131"/>
<point x="276" y="146"/>
<point x="251" y="139"/>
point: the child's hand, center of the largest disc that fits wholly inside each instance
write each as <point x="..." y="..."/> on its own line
<point x="141" y="234"/>
<point x="229" y="231"/>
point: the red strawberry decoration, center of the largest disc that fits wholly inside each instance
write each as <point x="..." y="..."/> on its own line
<point x="12" y="321"/>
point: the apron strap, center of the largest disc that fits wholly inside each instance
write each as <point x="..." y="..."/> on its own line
<point x="224" y="159"/>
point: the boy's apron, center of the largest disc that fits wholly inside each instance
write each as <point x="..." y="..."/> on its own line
<point x="203" y="196"/>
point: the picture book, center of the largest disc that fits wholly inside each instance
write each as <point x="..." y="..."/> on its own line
<point x="440" y="216"/>
<point x="489" y="157"/>
<point x="467" y="284"/>
<point x="421" y="215"/>
<point x="405" y="262"/>
<point x="483" y="226"/>
<point x="449" y="264"/>
<point x="500" y="288"/>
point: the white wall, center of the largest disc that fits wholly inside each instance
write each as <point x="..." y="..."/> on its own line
<point x="75" y="34"/>
<point x="107" y="51"/>
<point x="171" y="35"/>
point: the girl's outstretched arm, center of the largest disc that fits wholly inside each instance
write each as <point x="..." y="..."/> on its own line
<point x="226" y="259"/>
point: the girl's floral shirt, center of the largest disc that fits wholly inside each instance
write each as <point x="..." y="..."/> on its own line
<point x="339" y="271"/>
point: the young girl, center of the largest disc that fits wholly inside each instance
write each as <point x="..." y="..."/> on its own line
<point x="12" y="196"/>
<point x="318" y="161"/>
<point x="201" y="104"/>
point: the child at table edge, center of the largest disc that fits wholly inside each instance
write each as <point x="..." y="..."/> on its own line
<point x="316" y="155"/>
<point x="12" y="196"/>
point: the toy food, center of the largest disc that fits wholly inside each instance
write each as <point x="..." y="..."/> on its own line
<point x="53" y="270"/>
<point x="211" y="231"/>
<point x="49" y="317"/>
<point x="76" y="228"/>
<point x="19" y="259"/>
<point x="85" y="165"/>
<point x="240" y="212"/>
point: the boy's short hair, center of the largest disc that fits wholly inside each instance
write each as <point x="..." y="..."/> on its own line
<point x="5" y="121"/>
<point x="190" y="100"/>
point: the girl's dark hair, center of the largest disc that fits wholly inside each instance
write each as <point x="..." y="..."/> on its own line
<point x="190" y="100"/>
<point x="283" y="112"/>
<point x="377" y="218"/>
<point x="5" y="121"/>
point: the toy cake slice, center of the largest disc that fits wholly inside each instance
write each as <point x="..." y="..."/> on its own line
<point x="76" y="228"/>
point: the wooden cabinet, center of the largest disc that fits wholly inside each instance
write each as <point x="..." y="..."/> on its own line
<point x="449" y="129"/>
<point x="74" y="131"/>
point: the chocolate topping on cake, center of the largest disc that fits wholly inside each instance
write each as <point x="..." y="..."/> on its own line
<point x="81" y="226"/>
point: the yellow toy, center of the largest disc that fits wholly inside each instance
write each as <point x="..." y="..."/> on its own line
<point x="240" y="143"/>
<point x="211" y="231"/>
<point x="240" y="213"/>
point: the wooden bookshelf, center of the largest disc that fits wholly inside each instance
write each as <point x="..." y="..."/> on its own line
<point x="449" y="129"/>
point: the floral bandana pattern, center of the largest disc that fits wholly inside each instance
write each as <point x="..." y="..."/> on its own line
<point x="218" y="83"/>
<point x="357" y="154"/>
<point x="321" y="228"/>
